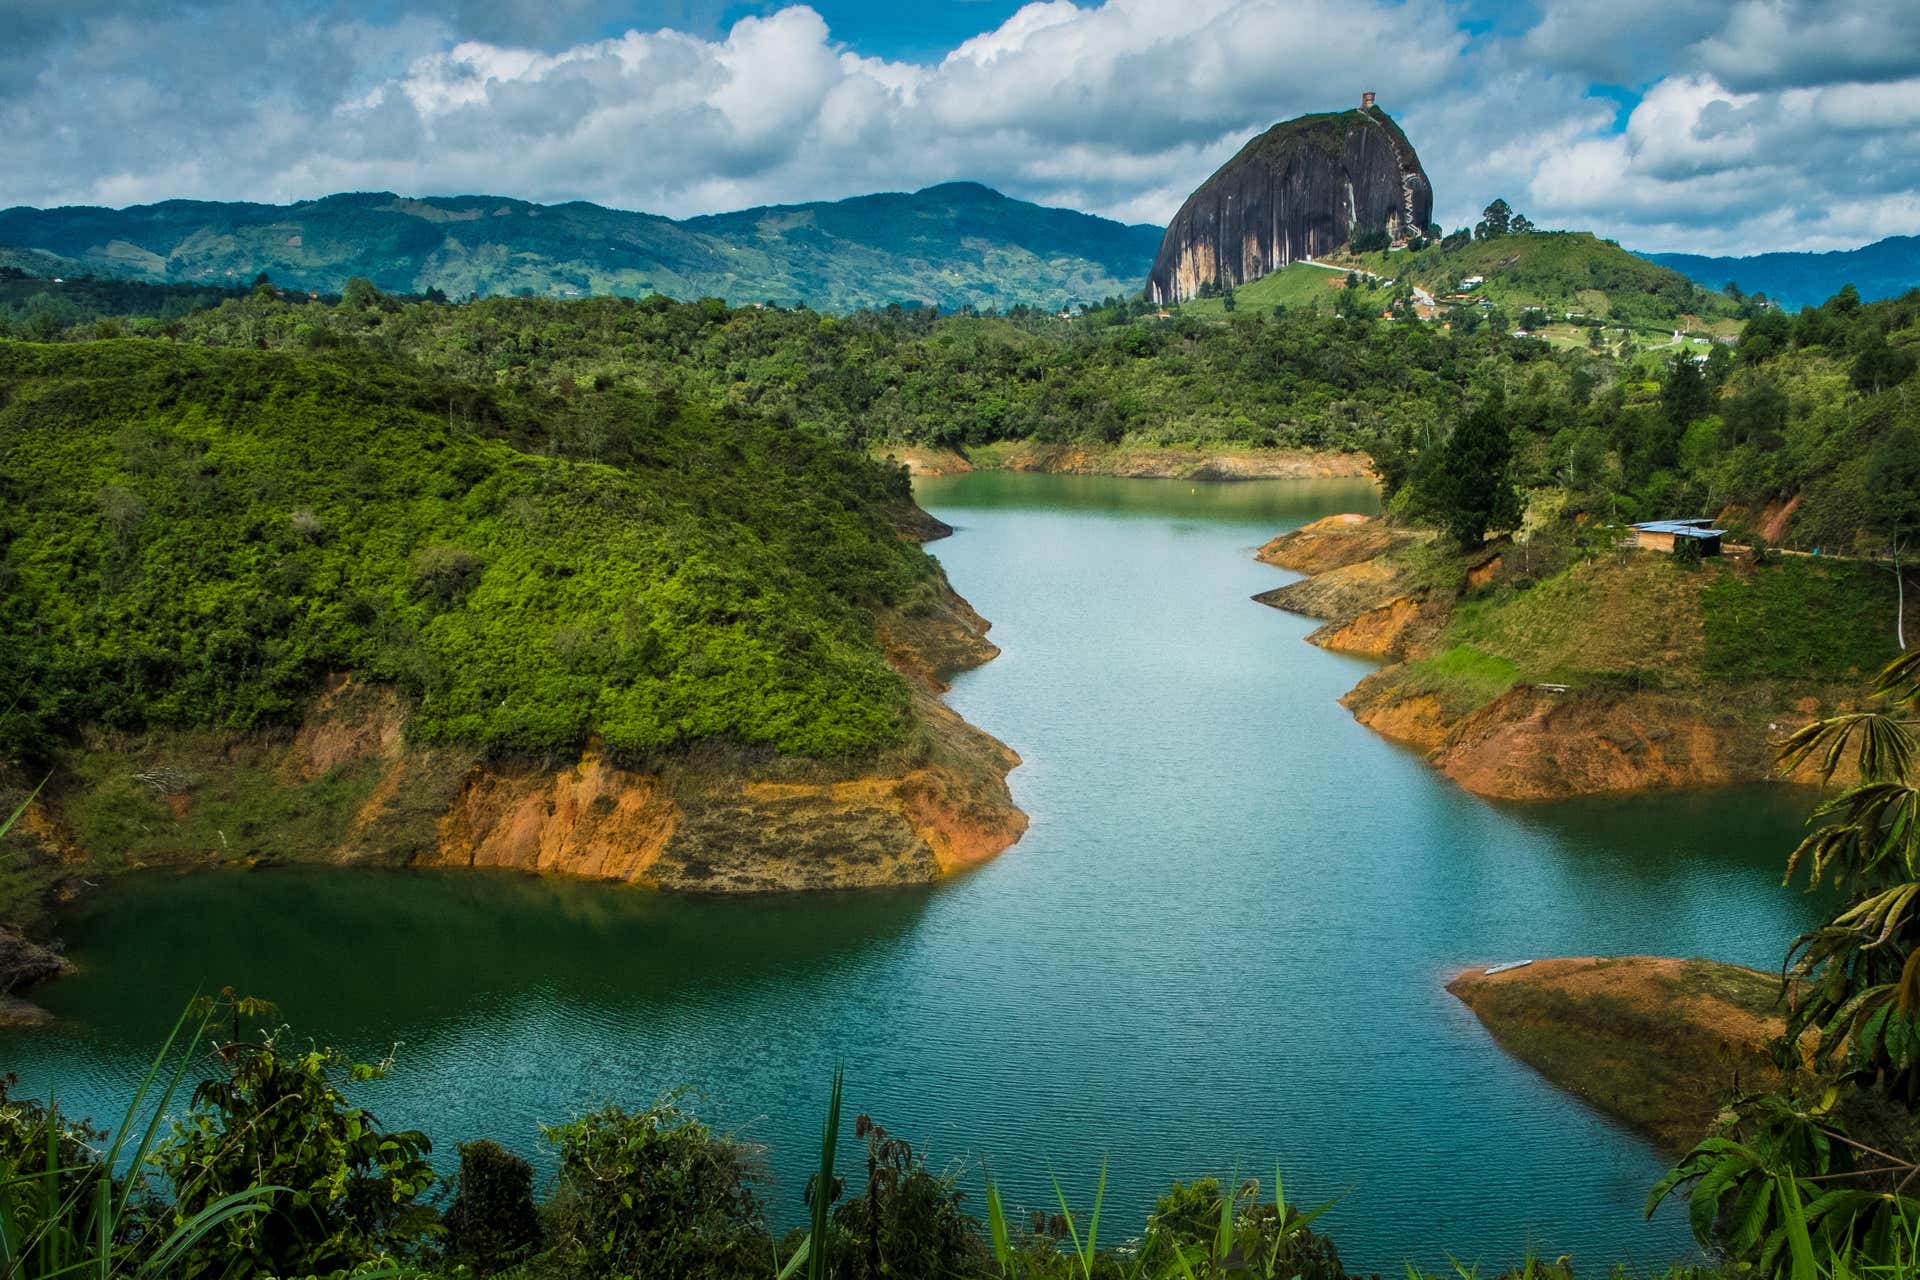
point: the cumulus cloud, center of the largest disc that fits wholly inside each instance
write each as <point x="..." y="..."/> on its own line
<point x="1829" y="166"/>
<point x="1757" y="125"/>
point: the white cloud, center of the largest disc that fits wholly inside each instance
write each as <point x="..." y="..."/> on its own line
<point x="1701" y="166"/>
<point x="1763" y="124"/>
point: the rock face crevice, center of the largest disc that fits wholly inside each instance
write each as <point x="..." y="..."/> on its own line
<point x="1298" y="190"/>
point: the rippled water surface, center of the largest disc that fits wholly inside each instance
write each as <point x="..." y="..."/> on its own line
<point x="1221" y="945"/>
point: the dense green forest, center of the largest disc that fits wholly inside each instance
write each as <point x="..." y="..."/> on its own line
<point x="198" y="535"/>
<point x="39" y="306"/>
<point x="1813" y="407"/>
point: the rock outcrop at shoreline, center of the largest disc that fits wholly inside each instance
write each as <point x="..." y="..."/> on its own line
<point x="716" y="822"/>
<point x="1659" y="1043"/>
<point x="362" y="793"/>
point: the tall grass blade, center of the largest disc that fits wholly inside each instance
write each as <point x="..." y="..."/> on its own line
<point x="997" y="1227"/>
<point x="793" y="1263"/>
<point x="1799" y="1240"/>
<point x="239" y="1204"/>
<point x="817" y="1252"/>
<point x="24" y="805"/>
<point x="180" y="1073"/>
<point x="1223" y="1238"/>
<point x="1093" y="1222"/>
<point x="1083" y="1252"/>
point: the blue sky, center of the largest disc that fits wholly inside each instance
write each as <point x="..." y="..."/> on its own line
<point x="1722" y="126"/>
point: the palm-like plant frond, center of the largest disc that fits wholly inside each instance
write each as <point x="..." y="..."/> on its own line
<point x="1885" y="747"/>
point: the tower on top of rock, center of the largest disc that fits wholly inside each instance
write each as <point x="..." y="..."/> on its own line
<point x="1366" y="100"/>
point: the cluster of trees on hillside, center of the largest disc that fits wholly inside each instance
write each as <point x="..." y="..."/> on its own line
<point x="45" y="309"/>
<point x="192" y="536"/>
<point x="1817" y="410"/>
<point x="1814" y="406"/>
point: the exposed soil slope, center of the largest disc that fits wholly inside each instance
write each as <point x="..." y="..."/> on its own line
<point x="1657" y="1042"/>
<point x="1139" y="462"/>
<point x="349" y="786"/>
<point x="1622" y="671"/>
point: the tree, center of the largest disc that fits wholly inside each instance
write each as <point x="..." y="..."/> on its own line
<point x="359" y="294"/>
<point x="1893" y="489"/>
<point x="654" y="1194"/>
<point x="1684" y="393"/>
<point x="1756" y="416"/>
<point x="492" y="1223"/>
<point x="1879" y="366"/>
<point x="1474" y="487"/>
<point x="1370" y="239"/>
<point x="1520" y="226"/>
<point x="277" y="1118"/>
<point x="908" y="1221"/>
<point x="1496" y="220"/>
<point x="1766" y="335"/>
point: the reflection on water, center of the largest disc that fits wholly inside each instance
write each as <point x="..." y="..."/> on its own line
<point x="1221" y="943"/>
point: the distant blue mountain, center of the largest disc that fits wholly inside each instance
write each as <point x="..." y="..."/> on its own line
<point x="1884" y="269"/>
<point x="952" y="245"/>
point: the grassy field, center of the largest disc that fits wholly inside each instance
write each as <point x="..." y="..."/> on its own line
<point x="1296" y="285"/>
<point x="1728" y="634"/>
<point x="1560" y="272"/>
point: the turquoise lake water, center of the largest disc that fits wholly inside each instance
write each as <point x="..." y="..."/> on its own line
<point x="1221" y="945"/>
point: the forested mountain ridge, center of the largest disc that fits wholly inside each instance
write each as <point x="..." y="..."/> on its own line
<point x="1884" y="269"/>
<point x="953" y="245"/>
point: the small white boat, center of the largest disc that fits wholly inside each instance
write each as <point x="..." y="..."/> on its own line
<point x="1511" y="964"/>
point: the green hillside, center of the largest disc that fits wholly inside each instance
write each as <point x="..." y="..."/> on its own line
<point x="1299" y="284"/>
<point x="954" y="245"/>
<point x="1559" y="272"/>
<point x="196" y="536"/>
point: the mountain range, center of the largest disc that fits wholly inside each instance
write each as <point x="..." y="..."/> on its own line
<point x="1884" y="269"/>
<point x="952" y="245"/>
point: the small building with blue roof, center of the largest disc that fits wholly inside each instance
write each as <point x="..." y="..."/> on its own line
<point x="1666" y="535"/>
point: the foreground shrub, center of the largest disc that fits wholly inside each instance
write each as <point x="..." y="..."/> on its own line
<point x="63" y="1210"/>
<point x="492" y="1223"/>
<point x="278" y="1119"/>
<point x="655" y="1193"/>
<point x="908" y="1221"/>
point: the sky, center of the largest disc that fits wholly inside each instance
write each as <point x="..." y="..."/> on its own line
<point x="1712" y="126"/>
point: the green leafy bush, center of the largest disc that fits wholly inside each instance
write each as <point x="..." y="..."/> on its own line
<point x="654" y="1193"/>
<point x="492" y="1223"/>
<point x="277" y="1118"/>
<point x="907" y="1222"/>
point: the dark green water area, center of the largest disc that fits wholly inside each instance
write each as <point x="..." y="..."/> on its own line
<point x="1221" y="946"/>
